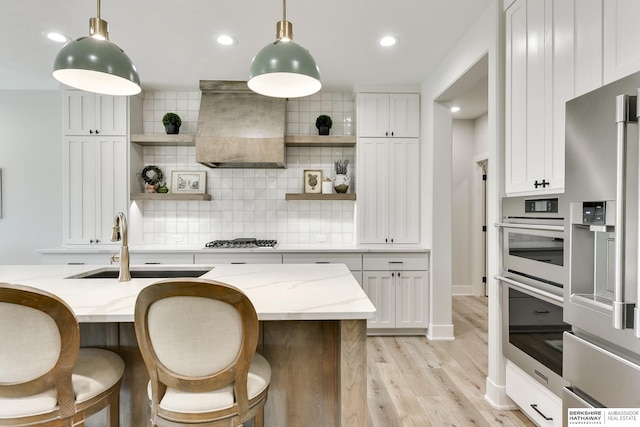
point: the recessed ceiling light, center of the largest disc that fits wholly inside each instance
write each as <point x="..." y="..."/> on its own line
<point x="455" y="109"/>
<point x="226" y="40"/>
<point x="57" y="37"/>
<point x="388" y="41"/>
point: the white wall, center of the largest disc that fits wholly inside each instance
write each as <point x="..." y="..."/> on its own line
<point x="462" y="193"/>
<point x="484" y="37"/>
<point x="31" y="163"/>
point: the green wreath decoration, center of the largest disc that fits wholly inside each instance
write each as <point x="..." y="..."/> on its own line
<point x="152" y="175"/>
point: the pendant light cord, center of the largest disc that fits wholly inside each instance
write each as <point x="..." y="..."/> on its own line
<point x="98" y="9"/>
<point x="284" y="10"/>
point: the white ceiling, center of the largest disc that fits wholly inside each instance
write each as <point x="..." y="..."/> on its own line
<point x="172" y="42"/>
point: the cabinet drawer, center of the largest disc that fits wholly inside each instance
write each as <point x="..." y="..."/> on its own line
<point x="96" y="259"/>
<point x="395" y="261"/>
<point x="352" y="261"/>
<point x="533" y="399"/>
<point x="237" y="258"/>
<point x="162" y="258"/>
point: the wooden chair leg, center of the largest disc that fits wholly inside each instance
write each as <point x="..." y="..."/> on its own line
<point x="258" y="421"/>
<point x="114" y="410"/>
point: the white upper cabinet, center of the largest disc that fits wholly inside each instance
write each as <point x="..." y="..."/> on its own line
<point x="95" y="163"/>
<point x="621" y="35"/>
<point x="388" y="190"/>
<point x="386" y="115"/>
<point x="534" y="105"/>
<point x="95" y="187"/>
<point x="388" y="181"/>
<point x="93" y="114"/>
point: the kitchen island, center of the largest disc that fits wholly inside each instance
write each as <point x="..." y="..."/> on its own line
<point x="312" y="331"/>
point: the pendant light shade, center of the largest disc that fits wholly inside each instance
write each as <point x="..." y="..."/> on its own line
<point x="94" y="64"/>
<point x="284" y="69"/>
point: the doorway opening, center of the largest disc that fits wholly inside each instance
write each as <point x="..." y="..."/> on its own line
<point x="467" y="99"/>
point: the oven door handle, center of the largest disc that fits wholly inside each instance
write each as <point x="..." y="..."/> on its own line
<point x="528" y="289"/>
<point x="530" y="226"/>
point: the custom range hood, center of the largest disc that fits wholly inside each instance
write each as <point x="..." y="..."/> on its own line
<point x="238" y="128"/>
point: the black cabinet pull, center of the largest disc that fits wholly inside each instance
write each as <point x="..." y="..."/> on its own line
<point x="391" y="133"/>
<point x="542" y="184"/>
<point x="90" y="130"/>
<point x="386" y="134"/>
<point x="97" y="131"/>
<point x="535" y="408"/>
<point x="393" y="275"/>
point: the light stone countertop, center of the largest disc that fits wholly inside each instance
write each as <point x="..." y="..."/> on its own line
<point x="278" y="292"/>
<point x="281" y="248"/>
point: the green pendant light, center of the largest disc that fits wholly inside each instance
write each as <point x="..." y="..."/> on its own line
<point x="284" y="69"/>
<point x="94" y="64"/>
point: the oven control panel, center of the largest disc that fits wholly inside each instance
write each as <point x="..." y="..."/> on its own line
<point x="541" y="206"/>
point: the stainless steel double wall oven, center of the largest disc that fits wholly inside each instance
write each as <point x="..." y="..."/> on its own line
<point x="532" y="280"/>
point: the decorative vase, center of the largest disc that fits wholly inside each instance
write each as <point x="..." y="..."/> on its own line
<point x="323" y="130"/>
<point x="172" y="129"/>
<point x="341" y="183"/>
<point x="151" y="188"/>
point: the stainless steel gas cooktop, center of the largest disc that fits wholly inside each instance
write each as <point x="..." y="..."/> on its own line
<point x="242" y="243"/>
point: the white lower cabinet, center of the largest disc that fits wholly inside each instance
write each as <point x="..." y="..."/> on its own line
<point x="161" y="258"/>
<point x="237" y="258"/>
<point x="353" y="261"/>
<point x="397" y="285"/>
<point x="538" y="403"/>
<point x="101" y="258"/>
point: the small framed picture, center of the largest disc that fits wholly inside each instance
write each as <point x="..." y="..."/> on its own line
<point x="312" y="181"/>
<point x="188" y="182"/>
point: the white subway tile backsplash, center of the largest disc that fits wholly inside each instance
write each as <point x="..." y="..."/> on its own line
<point x="249" y="202"/>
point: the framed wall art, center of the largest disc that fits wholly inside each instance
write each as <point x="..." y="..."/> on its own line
<point x="188" y="182"/>
<point x="312" y="181"/>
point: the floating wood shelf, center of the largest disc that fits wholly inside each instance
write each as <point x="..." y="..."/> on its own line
<point x="320" y="140"/>
<point x="169" y="196"/>
<point x="163" y="139"/>
<point x="302" y="196"/>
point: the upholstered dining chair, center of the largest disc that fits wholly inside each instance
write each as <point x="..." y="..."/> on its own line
<point x="198" y="339"/>
<point x="46" y="379"/>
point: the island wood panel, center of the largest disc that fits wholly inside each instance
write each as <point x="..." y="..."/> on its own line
<point x="318" y="372"/>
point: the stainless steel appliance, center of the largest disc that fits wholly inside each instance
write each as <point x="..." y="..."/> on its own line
<point x="602" y="352"/>
<point x="242" y="243"/>
<point x="532" y="279"/>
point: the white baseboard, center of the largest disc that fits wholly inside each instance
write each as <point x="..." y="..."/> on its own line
<point x="497" y="397"/>
<point x="462" y="290"/>
<point x="440" y="333"/>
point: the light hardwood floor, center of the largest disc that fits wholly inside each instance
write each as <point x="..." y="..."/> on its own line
<point x="416" y="382"/>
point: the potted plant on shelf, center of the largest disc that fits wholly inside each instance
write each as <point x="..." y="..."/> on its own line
<point x="171" y="122"/>
<point x="323" y="123"/>
<point x="152" y="176"/>
<point x="341" y="182"/>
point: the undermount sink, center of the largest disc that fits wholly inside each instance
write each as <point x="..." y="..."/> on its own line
<point x="144" y="273"/>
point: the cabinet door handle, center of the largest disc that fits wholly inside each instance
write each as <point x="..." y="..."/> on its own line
<point x="535" y="408"/>
<point x="395" y="262"/>
<point x="238" y="263"/>
<point x="386" y="134"/>
<point x="393" y="274"/>
<point x="91" y="131"/>
<point x="97" y="131"/>
<point x="391" y="133"/>
<point x="323" y="262"/>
